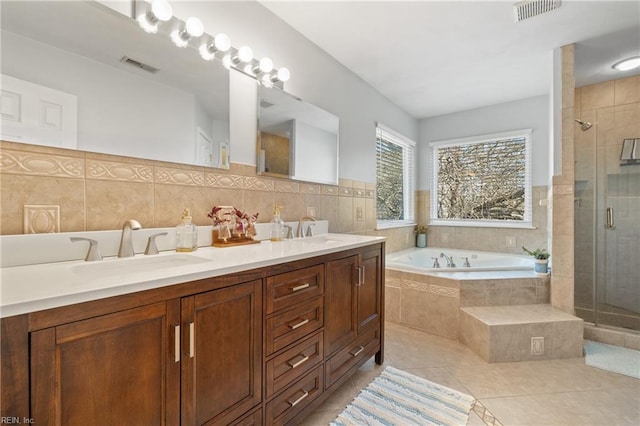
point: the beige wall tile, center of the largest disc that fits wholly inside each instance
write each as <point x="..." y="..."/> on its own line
<point x="111" y="203"/>
<point x="170" y="200"/>
<point x="19" y="190"/>
<point x="392" y="304"/>
<point x="627" y="90"/>
<point x="562" y="293"/>
<point x="598" y="95"/>
<point x="430" y="312"/>
<point x="567" y="339"/>
<point x="346" y="214"/>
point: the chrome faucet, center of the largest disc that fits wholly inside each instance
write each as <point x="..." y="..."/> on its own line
<point x="300" y="233"/>
<point x="449" y="259"/>
<point x="126" y="241"/>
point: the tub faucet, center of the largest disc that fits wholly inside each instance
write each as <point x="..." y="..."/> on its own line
<point x="435" y="262"/>
<point x="449" y="259"/>
<point x="300" y="233"/>
<point x="126" y="241"/>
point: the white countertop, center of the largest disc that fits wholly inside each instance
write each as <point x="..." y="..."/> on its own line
<point x="32" y="288"/>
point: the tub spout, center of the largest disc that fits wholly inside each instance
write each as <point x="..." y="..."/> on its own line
<point x="449" y="259"/>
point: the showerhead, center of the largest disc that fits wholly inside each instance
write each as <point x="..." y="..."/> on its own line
<point x="584" y="125"/>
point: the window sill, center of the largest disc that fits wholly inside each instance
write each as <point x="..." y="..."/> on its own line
<point x="391" y="224"/>
<point x="482" y="224"/>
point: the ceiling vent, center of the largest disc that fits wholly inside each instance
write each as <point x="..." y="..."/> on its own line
<point x="138" y="64"/>
<point x="530" y="8"/>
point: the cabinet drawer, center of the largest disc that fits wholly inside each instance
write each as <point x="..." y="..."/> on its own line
<point x="288" y="289"/>
<point x="361" y="348"/>
<point x="287" y="327"/>
<point x="295" y="398"/>
<point x="293" y="363"/>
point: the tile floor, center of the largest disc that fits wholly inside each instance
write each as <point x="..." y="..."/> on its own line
<point x="555" y="392"/>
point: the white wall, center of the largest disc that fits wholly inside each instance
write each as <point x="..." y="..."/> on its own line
<point x="315" y="77"/>
<point x="522" y="114"/>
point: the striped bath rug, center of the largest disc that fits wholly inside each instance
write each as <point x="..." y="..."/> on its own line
<point x="399" y="398"/>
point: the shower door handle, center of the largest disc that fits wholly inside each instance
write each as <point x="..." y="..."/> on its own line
<point x="610" y="219"/>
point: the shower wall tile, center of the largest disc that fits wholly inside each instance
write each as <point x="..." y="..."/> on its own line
<point x="627" y="90"/>
<point x="599" y="95"/>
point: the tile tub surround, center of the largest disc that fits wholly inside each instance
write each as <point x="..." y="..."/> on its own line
<point x="94" y="192"/>
<point x="432" y="303"/>
<point x="505" y="333"/>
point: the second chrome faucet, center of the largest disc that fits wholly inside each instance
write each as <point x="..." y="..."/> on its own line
<point x="126" y="240"/>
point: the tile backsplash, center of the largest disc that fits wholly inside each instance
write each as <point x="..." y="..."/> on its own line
<point x="100" y="192"/>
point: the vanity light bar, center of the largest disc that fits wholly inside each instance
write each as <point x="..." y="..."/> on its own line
<point x="157" y="16"/>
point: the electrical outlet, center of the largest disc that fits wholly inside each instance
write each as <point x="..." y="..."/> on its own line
<point x="311" y="212"/>
<point x="359" y="215"/>
<point x="537" y="346"/>
<point x="510" y="241"/>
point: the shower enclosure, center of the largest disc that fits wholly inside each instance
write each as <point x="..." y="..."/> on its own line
<point x="607" y="207"/>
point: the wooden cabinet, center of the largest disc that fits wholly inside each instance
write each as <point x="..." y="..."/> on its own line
<point x="264" y="346"/>
<point x="222" y="354"/>
<point x="112" y="369"/>
<point x="194" y="360"/>
<point x="354" y="308"/>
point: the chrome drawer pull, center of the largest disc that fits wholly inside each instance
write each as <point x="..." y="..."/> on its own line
<point x="300" y="324"/>
<point x="299" y="362"/>
<point x="297" y="401"/>
<point x="300" y="287"/>
<point x="357" y="352"/>
<point x="176" y="343"/>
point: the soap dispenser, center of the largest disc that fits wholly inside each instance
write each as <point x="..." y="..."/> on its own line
<point x="277" y="225"/>
<point x="186" y="234"/>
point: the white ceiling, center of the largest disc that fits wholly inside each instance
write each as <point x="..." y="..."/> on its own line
<point x="436" y="57"/>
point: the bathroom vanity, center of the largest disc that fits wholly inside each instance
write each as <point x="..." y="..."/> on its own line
<point x="249" y="335"/>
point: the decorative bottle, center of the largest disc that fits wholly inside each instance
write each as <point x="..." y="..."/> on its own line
<point x="277" y="225"/>
<point x="186" y="234"/>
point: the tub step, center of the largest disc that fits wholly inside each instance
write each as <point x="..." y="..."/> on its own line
<point x="520" y="332"/>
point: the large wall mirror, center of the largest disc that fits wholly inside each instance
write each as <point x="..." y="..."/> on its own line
<point x="80" y="75"/>
<point x="296" y="139"/>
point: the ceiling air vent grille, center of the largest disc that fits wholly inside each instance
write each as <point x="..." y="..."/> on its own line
<point x="530" y="8"/>
<point x="138" y="64"/>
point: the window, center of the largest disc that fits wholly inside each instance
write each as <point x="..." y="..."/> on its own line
<point x="395" y="178"/>
<point x="482" y="181"/>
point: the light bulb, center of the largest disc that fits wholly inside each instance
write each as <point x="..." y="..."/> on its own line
<point x="266" y="65"/>
<point x="627" y="64"/>
<point x="245" y="54"/>
<point x="283" y="74"/>
<point x="194" y="27"/>
<point x="161" y="9"/>
<point x="222" y="42"/>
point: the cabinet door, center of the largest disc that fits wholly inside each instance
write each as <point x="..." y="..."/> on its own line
<point x="340" y="303"/>
<point x="113" y="369"/>
<point x="369" y="290"/>
<point x="222" y="354"/>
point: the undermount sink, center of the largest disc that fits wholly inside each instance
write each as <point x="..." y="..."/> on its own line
<point x="137" y="264"/>
<point x="320" y="240"/>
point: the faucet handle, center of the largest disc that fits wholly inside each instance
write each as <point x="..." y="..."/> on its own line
<point x="309" y="232"/>
<point x="466" y="262"/>
<point x="152" y="248"/>
<point x="94" y="251"/>
<point x="289" y="232"/>
<point x="435" y="262"/>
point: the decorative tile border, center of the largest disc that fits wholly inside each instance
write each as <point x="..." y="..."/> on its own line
<point x="14" y="161"/>
<point x="423" y="287"/>
<point x="178" y="176"/>
<point x="109" y="170"/>
<point x="40" y="164"/>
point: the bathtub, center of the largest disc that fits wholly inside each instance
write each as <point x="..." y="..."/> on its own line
<point x="420" y="260"/>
